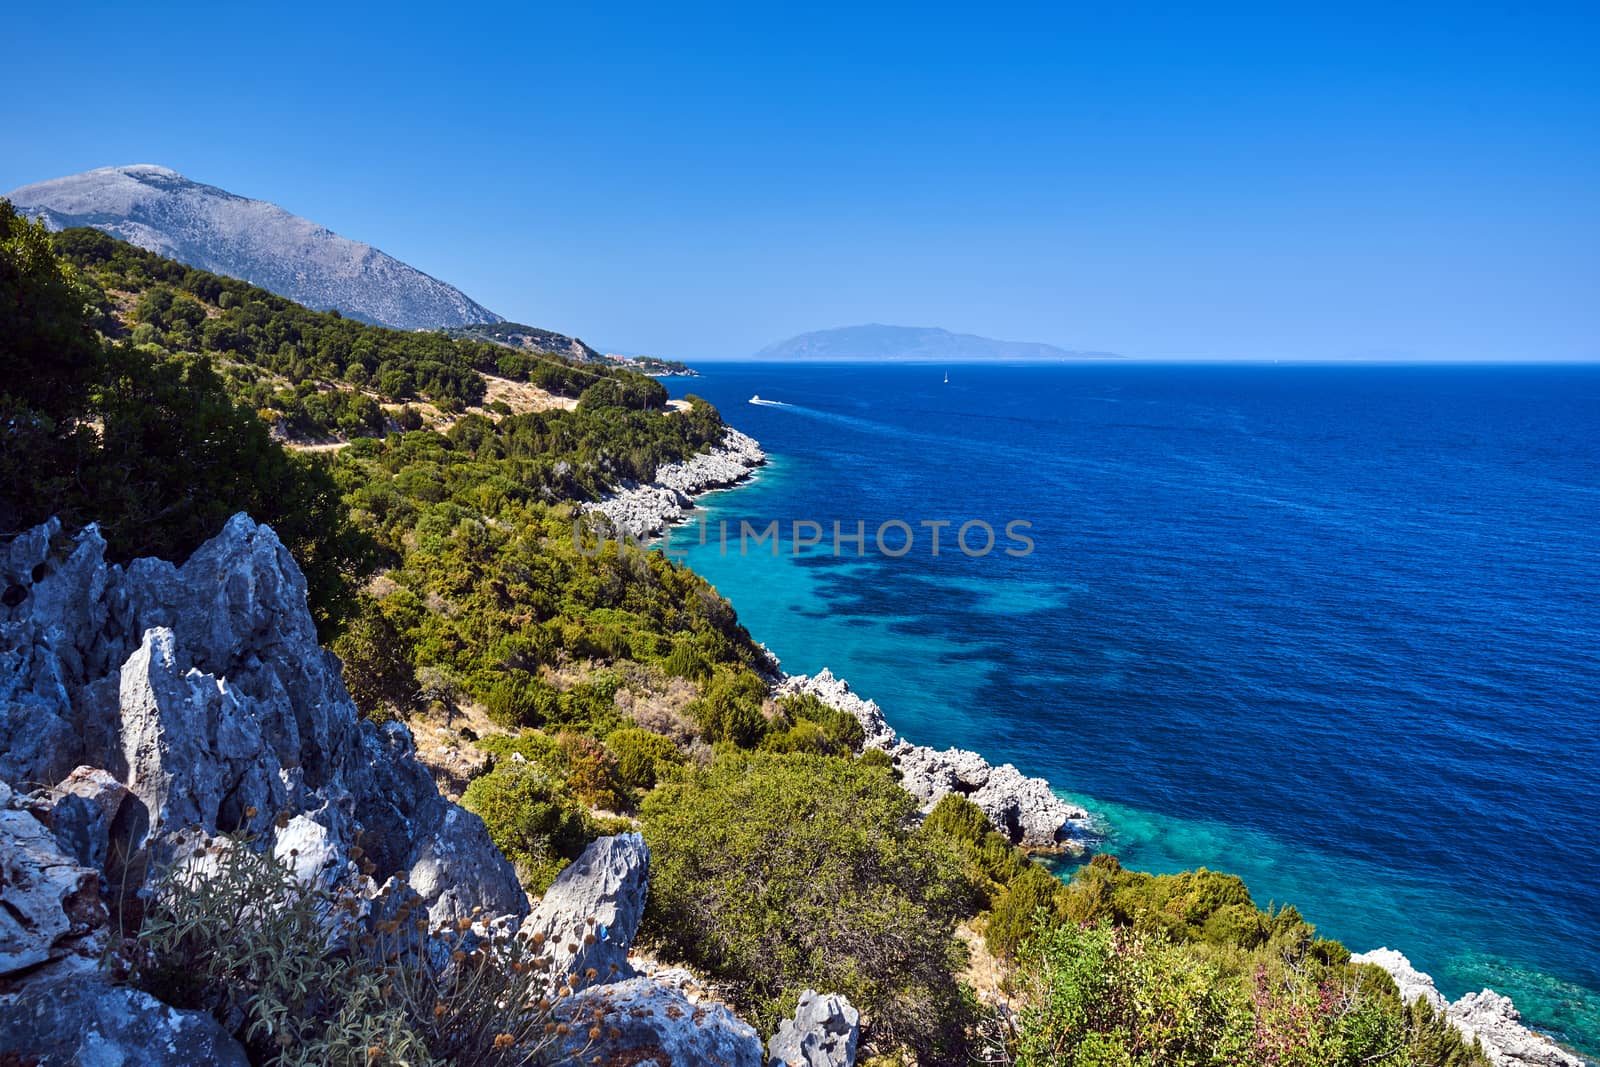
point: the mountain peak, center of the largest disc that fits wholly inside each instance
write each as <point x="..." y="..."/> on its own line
<point x="213" y="229"/>
<point x="136" y="169"/>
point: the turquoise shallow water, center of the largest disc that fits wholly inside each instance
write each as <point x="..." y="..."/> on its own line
<point x="1332" y="629"/>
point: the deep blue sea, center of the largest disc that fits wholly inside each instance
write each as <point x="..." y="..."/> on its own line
<point x="1334" y="629"/>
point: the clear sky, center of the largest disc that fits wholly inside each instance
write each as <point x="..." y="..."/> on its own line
<point x="1196" y="180"/>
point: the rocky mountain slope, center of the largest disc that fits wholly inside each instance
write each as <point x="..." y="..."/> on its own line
<point x="878" y="342"/>
<point x="146" y="711"/>
<point x="215" y="230"/>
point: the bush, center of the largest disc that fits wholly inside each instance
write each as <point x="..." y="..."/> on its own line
<point x="1100" y="996"/>
<point x="643" y="758"/>
<point x="782" y="872"/>
<point x="1032" y="892"/>
<point x="592" y="773"/>
<point x="519" y="699"/>
<point x="806" y="724"/>
<point x="174" y="456"/>
<point x="533" y="818"/>
<point x="877" y="757"/>
<point x="730" y="709"/>
<point x="1184" y="969"/>
<point x="377" y="665"/>
<point x="989" y="859"/>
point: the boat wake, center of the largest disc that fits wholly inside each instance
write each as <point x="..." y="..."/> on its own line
<point x="768" y="403"/>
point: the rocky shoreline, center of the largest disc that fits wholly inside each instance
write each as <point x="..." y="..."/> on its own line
<point x="644" y="509"/>
<point x="1025" y="809"/>
<point x="1487" y="1016"/>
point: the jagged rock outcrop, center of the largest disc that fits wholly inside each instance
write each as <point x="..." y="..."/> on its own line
<point x="202" y="691"/>
<point x="823" y="1033"/>
<point x="51" y="914"/>
<point x="83" y="1022"/>
<point x="94" y="819"/>
<point x="643" y="1023"/>
<point x="836" y="693"/>
<point x="1494" y="1020"/>
<point x="645" y="509"/>
<point x="592" y="910"/>
<point x="1487" y="1016"/>
<point x="1025" y="809"/>
<point x="215" y="230"/>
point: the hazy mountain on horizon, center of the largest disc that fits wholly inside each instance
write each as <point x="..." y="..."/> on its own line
<point x="876" y="341"/>
<point x="259" y="242"/>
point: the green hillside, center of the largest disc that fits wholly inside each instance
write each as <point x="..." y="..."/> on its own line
<point x="566" y="693"/>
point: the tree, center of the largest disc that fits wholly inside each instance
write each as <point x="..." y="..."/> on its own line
<point x="49" y="351"/>
<point x="173" y="456"/>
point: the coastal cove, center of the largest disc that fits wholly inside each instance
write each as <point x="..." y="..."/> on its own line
<point x="1191" y="652"/>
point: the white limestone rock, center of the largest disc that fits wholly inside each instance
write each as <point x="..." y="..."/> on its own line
<point x="1495" y="1021"/>
<point x="202" y="689"/>
<point x="1025" y="809"/>
<point x="643" y="510"/>
<point x="85" y="1022"/>
<point x="1487" y="1016"/>
<point x="594" y="907"/>
<point x="644" y="1023"/>
<point x="50" y="907"/>
<point x="824" y="1032"/>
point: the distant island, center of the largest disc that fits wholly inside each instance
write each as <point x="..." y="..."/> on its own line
<point x="878" y="342"/>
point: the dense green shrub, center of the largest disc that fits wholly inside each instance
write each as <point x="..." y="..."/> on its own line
<point x="779" y="872"/>
<point x="643" y="758"/>
<point x="806" y="724"/>
<point x="1120" y="995"/>
<point x="518" y="698"/>
<point x="1184" y="969"/>
<point x="532" y="817"/>
<point x="989" y="859"/>
<point x="1099" y="996"/>
<point x="377" y="663"/>
<point x="592" y="772"/>
<point x="730" y="709"/>
<point x="1032" y="891"/>
<point x="49" y="351"/>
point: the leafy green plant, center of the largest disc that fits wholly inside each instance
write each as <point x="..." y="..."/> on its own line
<point x="532" y="817"/>
<point x="1128" y="967"/>
<point x="305" y="974"/>
<point x="806" y="724"/>
<point x="1102" y="996"/>
<point x="643" y="758"/>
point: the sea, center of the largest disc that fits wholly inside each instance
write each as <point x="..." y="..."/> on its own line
<point x="1335" y="629"/>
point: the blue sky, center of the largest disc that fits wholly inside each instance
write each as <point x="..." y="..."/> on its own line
<point x="1279" y="181"/>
